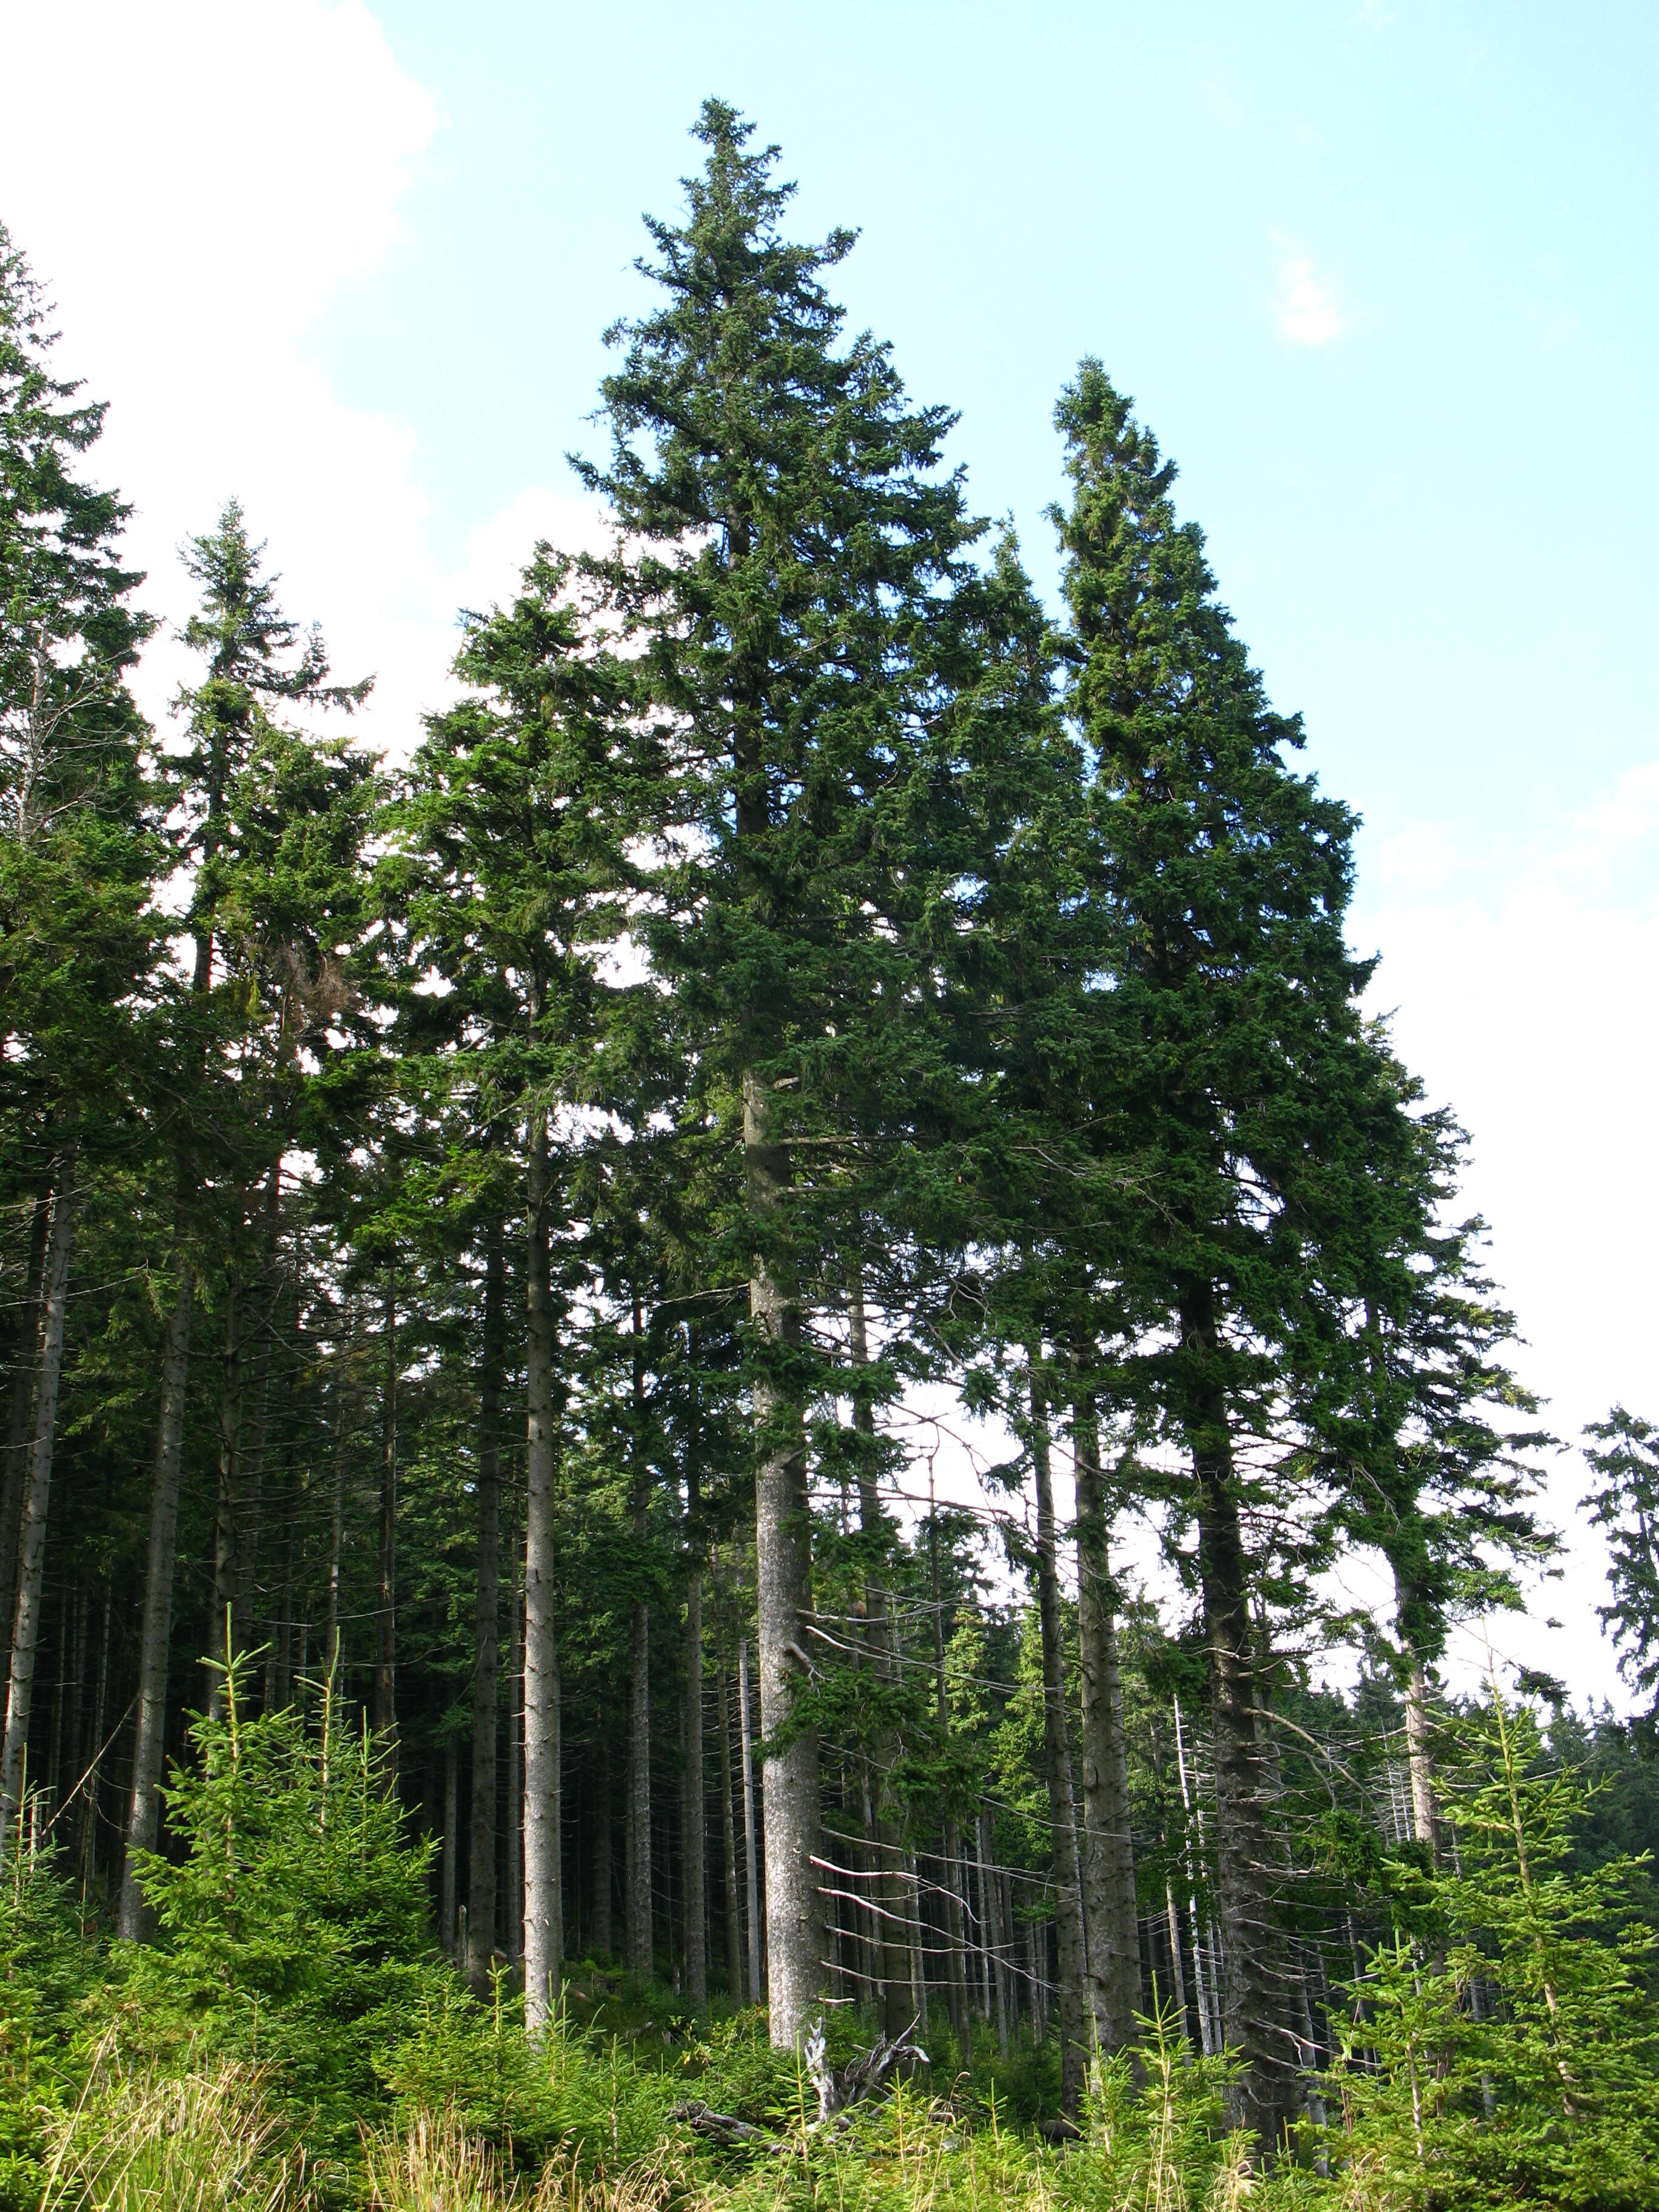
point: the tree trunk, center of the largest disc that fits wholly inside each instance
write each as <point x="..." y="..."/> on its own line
<point x="250" y="1499"/>
<point x="783" y="1582"/>
<point x="1057" y="1757"/>
<point x="996" y="1936"/>
<point x="143" y="1821"/>
<point x="637" y="1900"/>
<point x="729" y="1840"/>
<point x="486" y="1620"/>
<point x="227" y="1631"/>
<point x="37" y="1490"/>
<point x="337" y="1505"/>
<point x="604" y="1851"/>
<point x="956" y="1960"/>
<point x="888" y="1897"/>
<point x="544" y="1924"/>
<point x="692" y="1819"/>
<point x="24" y="1360"/>
<point x="88" y="1851"/>
<point x="752" y="1891"/>
<point x="1254" y="1993"/>
<point x="1419" y="1746"/>
<point x="513" y="1917"/>
<point x="447" y="1882"/>
<point x="385" y="1720"/>
<point x="1111" y="1925"/>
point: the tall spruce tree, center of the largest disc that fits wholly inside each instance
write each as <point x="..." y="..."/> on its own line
<point x="1238" y="1043"/>
<point x="510" y="870"/>
<point x="257" y="665"/>
<point x="78" y="856"/>
<point x="793" y="527"/>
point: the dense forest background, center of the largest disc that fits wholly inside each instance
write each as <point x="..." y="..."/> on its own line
<point x="475" y="1224"/>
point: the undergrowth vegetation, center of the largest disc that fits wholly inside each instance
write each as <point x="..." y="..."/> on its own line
<point x="294" y="2042"/>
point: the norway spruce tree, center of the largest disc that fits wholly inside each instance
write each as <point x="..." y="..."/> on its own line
<point x="1237" y="1043"/>
<point x="77" y="859"/>
<point x="508" y="873"/>
<point x="793" y="525"/>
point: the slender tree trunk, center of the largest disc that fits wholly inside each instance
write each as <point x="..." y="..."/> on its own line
<point x="1254" y="2007"/>
<point x="157" y="1635"/>
<point x="227" y="1631"/>
<point x="783" y="1580"/>
<point x="637" y="1900"/>
<point x="1420" y="1744"/>
<point x="486" y="1620"/>
<point x="692" y="1821"/>
<point x="887" y="1891"/>
<point x="544" y="1924"/>
<point x="336" y="1506"/>
<point x="385" y="1615"/>
<point x="1111" y="1923"/>
<point x="75" y="1704"/>
<point x="605" y="1852"/>
<point x="1057" y="1756"/>
<point x="37" y="1490"/>
<point x="996" y="1935"/>
<point x="729" y="1840"/>
<point x="752" y="1895"/>
<point x="1210" y="2031"/>
<point x="448" y="1889"/>
<point x="512" y="1918"/>
<point x="89" y="1794"/>
<point x="250" y="1500"/>
<point x="955" y="1961"/>
<point x="24" y="1364"/>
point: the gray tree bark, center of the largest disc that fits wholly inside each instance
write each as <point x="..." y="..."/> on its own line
<point x="636" y="1897"/>
<point x="226" y="1631"/>
<point x="693" y="1820"/>
<point x="783" y="1579"/>
<point x="1057" y="1758"/>
<point x="144" y="1817"/>
<point x="25" y="1361"/>
<point x="729" y="1839"/>
<point x="1111" y="1925"/>
<point x="36" y="1492"/>
<point x="888" y="1894"/>
<point x="385" y="1716"/>
<point x="544" y="1922"/>
<point x="757" y="1962"/>
<point x="1256" y="1991"/>
<point x="486" y="1620"/>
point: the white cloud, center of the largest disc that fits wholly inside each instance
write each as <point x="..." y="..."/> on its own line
<point x="231" y="172"/>
<point x="1524" y="984"/>
<point x="1307" y="311"/>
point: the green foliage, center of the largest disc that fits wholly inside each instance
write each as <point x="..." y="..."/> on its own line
<point x="1626" y="1504"/>
<point x="47" y="1966"/>
<point x="1506" y="2053"/>
<point x="293" y="1928"/>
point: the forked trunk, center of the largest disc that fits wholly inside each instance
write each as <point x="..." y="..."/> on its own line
<point x="37" y="1492"/>
<point x="486" y="1622"/>
<point x="1111" y="1923"/>
<point x="783" y="1579"/>
<point x="1057" y="1759"/>
<point x="544" y="1924"/>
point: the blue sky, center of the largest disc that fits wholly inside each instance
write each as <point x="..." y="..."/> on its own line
<point x="1382" y="280"/>
<point x="1433" y="522"/>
